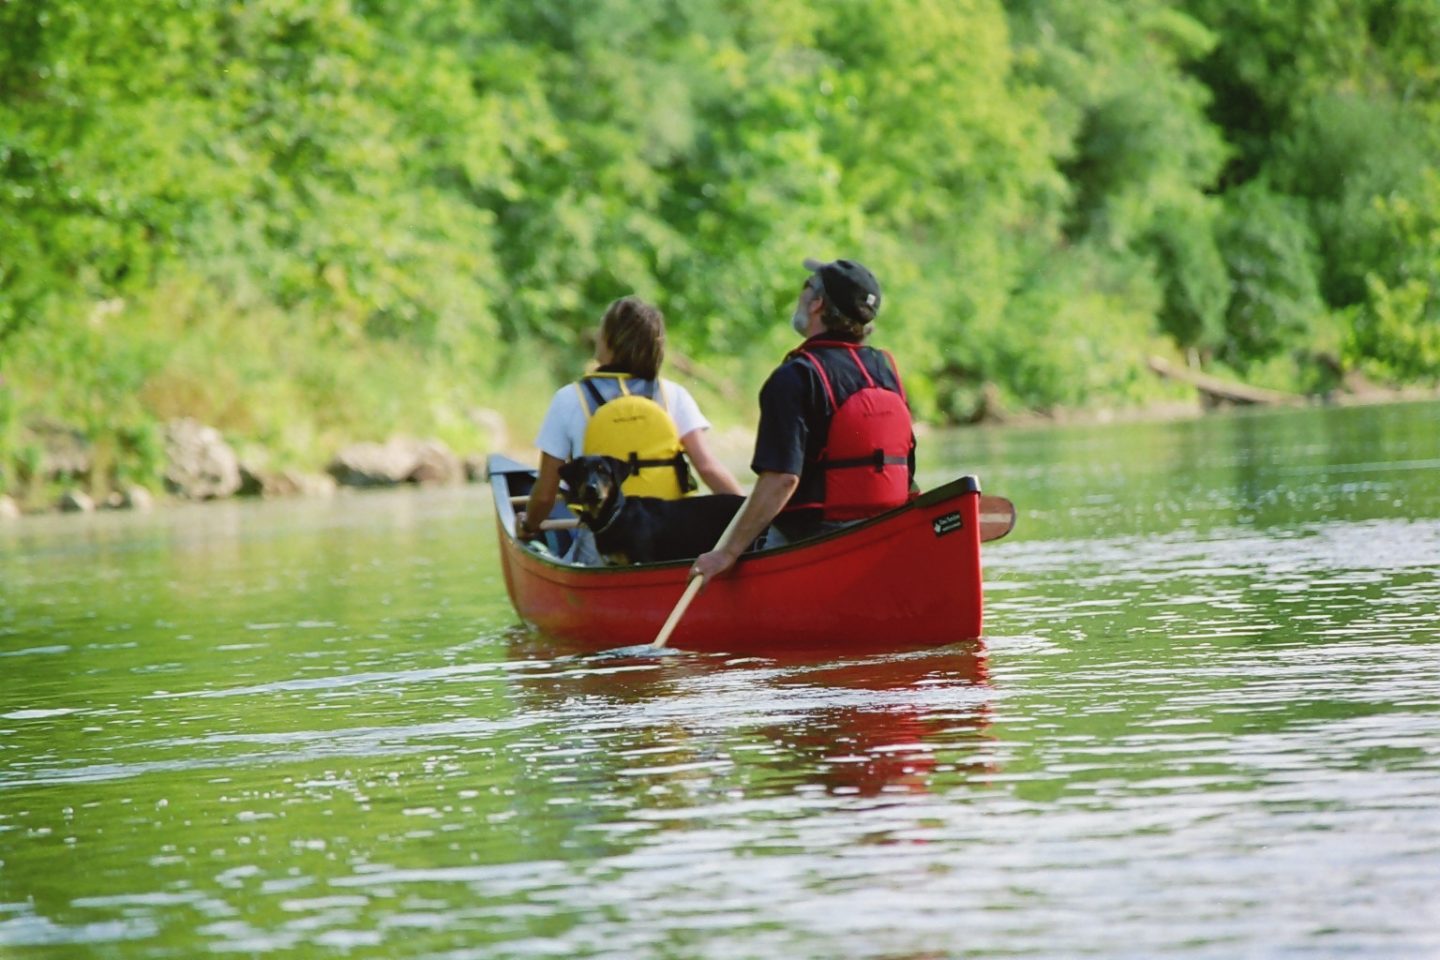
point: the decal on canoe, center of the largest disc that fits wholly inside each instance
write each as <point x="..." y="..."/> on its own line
<point x="947" y="523"/>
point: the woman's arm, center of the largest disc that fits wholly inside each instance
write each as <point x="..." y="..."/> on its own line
<point x="712" y="471"/>
<point x="542" y="498"/>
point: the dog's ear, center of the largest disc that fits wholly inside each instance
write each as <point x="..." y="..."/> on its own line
<point x="571" y="473"/>
<point x="619" y="469"/>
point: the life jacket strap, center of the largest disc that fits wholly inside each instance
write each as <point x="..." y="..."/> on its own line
<point x="895" y="369"/>
<point x="678" y="463"/>
<point x="854" y="353"/>
<point x="877" y="461"/>
<point x="824" y="377"/>
<point x="869" y="380"/>
<point x="596" y="399"/>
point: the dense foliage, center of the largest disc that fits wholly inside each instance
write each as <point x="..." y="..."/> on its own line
<point x="311" y="220"/>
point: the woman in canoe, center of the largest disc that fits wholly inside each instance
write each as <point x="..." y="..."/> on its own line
<point x="625" y="409"/>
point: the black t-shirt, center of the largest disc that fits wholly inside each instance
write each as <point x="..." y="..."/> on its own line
<point x="795" y="417"/>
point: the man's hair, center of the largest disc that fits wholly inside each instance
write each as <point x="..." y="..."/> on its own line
<point x="837" y="322"/>
<point x="635" y="332"/>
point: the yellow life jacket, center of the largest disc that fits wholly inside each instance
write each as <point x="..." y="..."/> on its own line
<point x="639" y="430"/>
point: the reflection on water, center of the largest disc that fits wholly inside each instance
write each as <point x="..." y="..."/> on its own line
<point x="1204" y="722"/>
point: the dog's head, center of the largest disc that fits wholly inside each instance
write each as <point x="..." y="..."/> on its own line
<point x="590" y="482"/>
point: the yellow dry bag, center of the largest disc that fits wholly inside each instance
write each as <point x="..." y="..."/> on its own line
<point x="637" y="429"/>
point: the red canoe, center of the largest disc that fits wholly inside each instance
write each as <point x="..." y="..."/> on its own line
<point x="908" y="578"/>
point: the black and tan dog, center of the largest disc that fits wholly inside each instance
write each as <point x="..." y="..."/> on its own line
<point x="642" y="529"/>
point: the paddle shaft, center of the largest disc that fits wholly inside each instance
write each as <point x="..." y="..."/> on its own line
<point x="691" y="589"/>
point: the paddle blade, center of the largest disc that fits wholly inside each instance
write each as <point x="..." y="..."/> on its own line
<point x="639" y="651"/>
<point x="997" y="517"/>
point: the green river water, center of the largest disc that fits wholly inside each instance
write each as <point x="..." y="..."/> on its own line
<point x="1204" y="722"/>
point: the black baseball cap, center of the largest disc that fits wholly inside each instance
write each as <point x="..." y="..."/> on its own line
<point x="849" y="288"/>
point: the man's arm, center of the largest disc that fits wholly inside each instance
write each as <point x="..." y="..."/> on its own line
<point x="772" y="491"/>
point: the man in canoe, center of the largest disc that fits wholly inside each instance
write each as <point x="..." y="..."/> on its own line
<point x="836" y="443"/>
<point x="625" y="409"/>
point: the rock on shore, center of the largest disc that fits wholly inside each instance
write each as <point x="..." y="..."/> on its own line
<point x="202" y="466"/>
<point x="76" y="501"/>
<point x="259" y="481"/>
<point x="132" y="497"/>
<point x="397" y="461"/>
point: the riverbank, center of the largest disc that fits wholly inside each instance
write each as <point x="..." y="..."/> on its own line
<point x="201" y="465"/>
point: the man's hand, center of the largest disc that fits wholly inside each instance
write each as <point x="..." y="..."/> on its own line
<point x="711" y="565"/>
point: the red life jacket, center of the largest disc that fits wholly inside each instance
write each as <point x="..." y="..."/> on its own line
<point x="867" y="452"/>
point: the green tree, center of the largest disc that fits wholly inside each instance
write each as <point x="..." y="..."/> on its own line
<point x="1335" y="105"/>
<point x="1270" y="252"/>
<point x="1397" y="329"/>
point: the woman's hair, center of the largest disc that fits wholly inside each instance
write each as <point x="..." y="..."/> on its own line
<point x="635" y="332"/>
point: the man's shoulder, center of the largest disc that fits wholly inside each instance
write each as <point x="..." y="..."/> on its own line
<point x="794" y="370"/>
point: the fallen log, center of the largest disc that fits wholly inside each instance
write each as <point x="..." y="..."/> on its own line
<point x="1215" y="391"/>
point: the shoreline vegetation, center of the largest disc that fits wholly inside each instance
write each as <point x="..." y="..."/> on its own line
<point x="202" y="466"/>
<point x="311" y="224"/>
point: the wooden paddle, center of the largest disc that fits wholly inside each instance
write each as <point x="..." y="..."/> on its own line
<point x="997" y="517"/>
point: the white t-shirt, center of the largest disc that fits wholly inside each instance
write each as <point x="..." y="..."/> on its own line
<point x="562" y="433"/>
